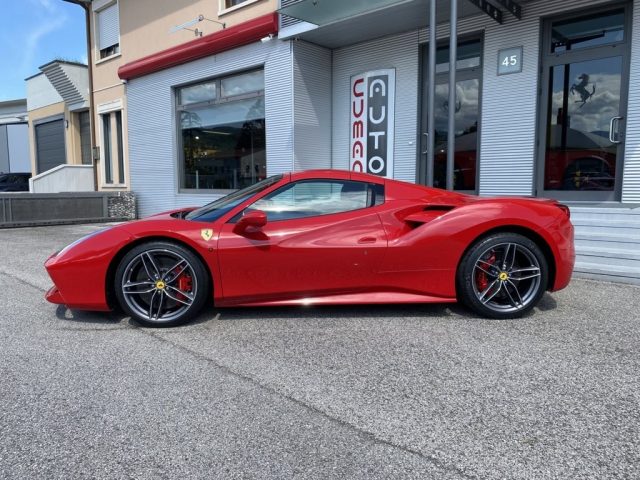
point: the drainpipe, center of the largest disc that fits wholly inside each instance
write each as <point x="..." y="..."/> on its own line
<point x="86" y="5"/>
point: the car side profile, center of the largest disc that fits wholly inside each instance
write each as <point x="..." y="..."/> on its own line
<point x="323" y="237"/>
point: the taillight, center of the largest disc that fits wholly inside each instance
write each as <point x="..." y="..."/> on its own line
<point x="565" y="209"/>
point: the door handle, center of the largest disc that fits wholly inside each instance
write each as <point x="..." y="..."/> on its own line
<point x="367" y="240"/>
<point x="426" y="150"/>
<point x="615" y="121"/>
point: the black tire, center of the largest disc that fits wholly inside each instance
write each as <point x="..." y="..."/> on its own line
<point x="161" y="284"/>
<point x="503" y="275"/>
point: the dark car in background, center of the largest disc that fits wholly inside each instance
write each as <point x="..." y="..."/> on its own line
<point x="14" y="182"/>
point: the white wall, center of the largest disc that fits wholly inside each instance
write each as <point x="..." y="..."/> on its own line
<point x="79" y="77"/>
<point x="631" y="178"/>
<point x="63" y="178"/>
<point x="41" y="93"/>
<point x="311" y="106"/>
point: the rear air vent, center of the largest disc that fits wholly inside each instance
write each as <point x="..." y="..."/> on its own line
<point x="438" y="208"/>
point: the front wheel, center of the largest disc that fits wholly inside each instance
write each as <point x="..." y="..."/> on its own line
<point x="161" y="284"/>
<point x="502" y="276"/>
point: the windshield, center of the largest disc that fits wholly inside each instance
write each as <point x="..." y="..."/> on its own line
<point x="214" y="210"/>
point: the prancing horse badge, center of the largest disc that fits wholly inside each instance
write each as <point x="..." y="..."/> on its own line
<point x="206" y="234"/>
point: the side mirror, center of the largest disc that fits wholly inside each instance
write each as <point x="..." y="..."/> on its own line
<point x="255" y="219"/>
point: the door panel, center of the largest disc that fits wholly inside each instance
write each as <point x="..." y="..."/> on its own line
<point x="585" y="71"/>
<point x="302" y="257"/>
<point x="583" y="123"/>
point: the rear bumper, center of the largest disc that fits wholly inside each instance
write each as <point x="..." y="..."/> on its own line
<point x="565" y="258"/>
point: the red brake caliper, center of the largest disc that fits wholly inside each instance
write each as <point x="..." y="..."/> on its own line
<point x="482" y="281"/>
<point x="185" y="284"/>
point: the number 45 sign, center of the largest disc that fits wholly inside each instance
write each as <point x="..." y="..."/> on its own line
<point x="509" y="60"/>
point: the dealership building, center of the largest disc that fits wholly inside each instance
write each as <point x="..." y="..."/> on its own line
<point x="543" y="104"/>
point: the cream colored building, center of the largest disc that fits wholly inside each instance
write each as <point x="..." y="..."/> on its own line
<point x="125" y="31"/>
<point x="59" y="122"/>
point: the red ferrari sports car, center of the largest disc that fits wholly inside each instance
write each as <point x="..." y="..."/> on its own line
<point x="322" y="237"/>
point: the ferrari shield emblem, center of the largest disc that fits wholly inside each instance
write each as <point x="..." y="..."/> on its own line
<point x="206" y="234"/>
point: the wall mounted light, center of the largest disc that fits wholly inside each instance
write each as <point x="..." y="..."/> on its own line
<point x="196" y="31"/>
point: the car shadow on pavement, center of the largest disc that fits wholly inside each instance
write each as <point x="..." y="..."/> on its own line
<point x="547" y="303"/>
<point x="85" y="316"/>
<point x="334" y="312"/>
<point x="317" y="312"/>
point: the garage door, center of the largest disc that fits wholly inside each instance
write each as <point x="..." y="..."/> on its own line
<point x="50" y="145"/>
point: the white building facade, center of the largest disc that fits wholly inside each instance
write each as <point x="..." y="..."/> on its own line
<point x="14" y="137"/>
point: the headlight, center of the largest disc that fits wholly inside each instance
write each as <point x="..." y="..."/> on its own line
<point x="79" y="241"/>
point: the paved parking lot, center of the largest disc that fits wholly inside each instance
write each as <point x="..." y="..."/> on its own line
<point x="359" y="392"/>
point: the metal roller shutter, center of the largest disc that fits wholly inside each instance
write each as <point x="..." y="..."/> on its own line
<point x="50" y="151"/>
<point x="108" y="27"/>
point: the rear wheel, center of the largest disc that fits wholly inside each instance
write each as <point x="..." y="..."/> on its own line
<point x="161" y="284"/>
<point x="503" y="276"/>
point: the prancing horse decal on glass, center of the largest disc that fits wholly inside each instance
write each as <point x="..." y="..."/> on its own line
<point x="581" y="89"/>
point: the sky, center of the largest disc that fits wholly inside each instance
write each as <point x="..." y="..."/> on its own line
<point x="34" y="32"/>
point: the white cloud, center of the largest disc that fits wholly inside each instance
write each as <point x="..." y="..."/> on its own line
<point x="46" y="4"/>
<point x="48" y="19"/>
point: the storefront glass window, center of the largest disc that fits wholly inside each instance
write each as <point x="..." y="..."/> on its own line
<point x="588" y="31"/>
<point x="468" y="56"/>
<point x="239" y="84"/>
<point x="466" y="113"/>
<point x="223" y="138"/>
<point x="198" y="93"/>
<point x="467" y="116"/>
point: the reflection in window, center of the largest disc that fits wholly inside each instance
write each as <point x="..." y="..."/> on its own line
<point x="106" y="148"/>
<point x="223" y="132"/>
<point x="588" y="31"/>
<point x="245" y="83"/>
<point x="466" y="133"/>
<point x="468" y="56"/>
<point x="318" y="197"/>
<point x="584" y="96"/>
<point x="112" y="147"/>
<point x="198" y="93"/>
<point x="233" y="3"/>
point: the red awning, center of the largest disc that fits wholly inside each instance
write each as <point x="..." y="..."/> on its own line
<point x="232" y="37"/>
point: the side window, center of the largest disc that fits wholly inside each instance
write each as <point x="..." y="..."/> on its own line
<point x="310" y="198"/>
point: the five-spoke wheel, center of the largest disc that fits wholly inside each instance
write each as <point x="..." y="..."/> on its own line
<point x="503" y="276"/>
<point x="161" y="284"/>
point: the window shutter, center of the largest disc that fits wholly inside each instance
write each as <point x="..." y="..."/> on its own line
<point x="108" y="27"/>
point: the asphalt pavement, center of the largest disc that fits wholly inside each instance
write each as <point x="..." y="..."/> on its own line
<point x="336" y="392"/>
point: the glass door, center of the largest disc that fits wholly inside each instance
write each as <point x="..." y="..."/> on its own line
<point x="584" y="101"/>
<point x="467" y="116"/>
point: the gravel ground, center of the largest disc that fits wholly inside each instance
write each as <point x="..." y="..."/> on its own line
<point x="350" y="392"/>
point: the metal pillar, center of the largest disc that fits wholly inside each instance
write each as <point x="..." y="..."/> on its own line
<point x="431" y="93"/>
<point x="451" y="137"/>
